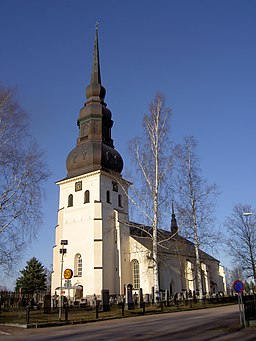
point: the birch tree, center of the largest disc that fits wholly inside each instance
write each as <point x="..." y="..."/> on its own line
<point x="241" y="238"/>
<point x="22" y="175"/>
<point x="150" y="154"/>
<point x="196" y="203"/>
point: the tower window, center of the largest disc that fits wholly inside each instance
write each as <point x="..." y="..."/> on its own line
<point x="84" y="131"/>
<point x="136" y="274"/>
<point x="115" y="186"/>
<point x="78" y="265"/>
<point x="120" y="204"/>
<point x="86" y="196"/>
<point x="108" y="197"/>
<point x="70" y="200"/>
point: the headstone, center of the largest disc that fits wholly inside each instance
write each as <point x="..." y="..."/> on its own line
<point x="153" y="295"/>
<point x="171" y="293"/>
<point x="167" y="298"/>
<point x="105" y="299"/>
<point x="129" y="297"/>
<point x="135" y="299"/>
<point x="141" y="297"/>
<point x="47" y="304"/>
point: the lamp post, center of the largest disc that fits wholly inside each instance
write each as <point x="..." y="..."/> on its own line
<point x="63" y="251"/>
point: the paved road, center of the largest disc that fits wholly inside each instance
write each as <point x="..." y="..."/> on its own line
<point x="199" y="325"/>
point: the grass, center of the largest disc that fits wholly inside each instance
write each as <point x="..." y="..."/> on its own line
<point x="38" y="318"/>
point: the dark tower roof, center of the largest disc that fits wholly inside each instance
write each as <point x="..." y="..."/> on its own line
<point x="174" y="226"/>
<point x="94" y="148"/>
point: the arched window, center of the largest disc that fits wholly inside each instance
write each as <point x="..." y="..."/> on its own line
<point x="120" y="204"/>
<point x="86" y="196"/>
<point x="78" y="265"/>
<point x="108" y="197"/>
<point x="136" y="274"/>
<point x="70" y="200"/>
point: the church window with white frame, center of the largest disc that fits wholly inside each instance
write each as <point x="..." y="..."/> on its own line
<point x="78" y="265"/>
<point x="136" y="274"/>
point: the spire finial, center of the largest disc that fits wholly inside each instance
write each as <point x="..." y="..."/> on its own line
<point x="95" y="77"/>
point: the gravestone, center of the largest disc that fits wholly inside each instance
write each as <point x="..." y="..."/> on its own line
<point x="153" y="295"/>
<point x="47" y="304"/>
<point x="167" y="298"/>
<point x="129" y="298"/>
<point x="105" y="299"/>
<point x="141" y="297"/>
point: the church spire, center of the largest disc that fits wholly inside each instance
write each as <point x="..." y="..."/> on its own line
<point x="94" y="147"/>
<point x="174" y="227"/>
<point x="95" y="91"/>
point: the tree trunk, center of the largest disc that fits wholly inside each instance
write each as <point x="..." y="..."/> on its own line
<point x="198" y="265"/>
<point x="155" y="221"/>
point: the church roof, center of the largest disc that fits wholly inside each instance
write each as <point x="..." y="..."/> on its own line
<point x="169" y="242"/>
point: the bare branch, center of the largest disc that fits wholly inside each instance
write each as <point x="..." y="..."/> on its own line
<point x="22" y="175"/>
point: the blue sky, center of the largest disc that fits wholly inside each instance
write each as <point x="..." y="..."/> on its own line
<point x="201" y="54"/>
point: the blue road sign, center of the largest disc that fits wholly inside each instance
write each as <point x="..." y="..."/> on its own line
<point x="238" y="286"/>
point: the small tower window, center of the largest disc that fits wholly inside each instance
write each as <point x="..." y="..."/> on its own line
<point x="108" y="197"/>
<point x="120" y="204"/>
<point x="84" y="131"/>
<point x="86" y="196"/>
<point x="115" y="186"/>
<point x="70" y="200"/>
<point x="78" y="265"/>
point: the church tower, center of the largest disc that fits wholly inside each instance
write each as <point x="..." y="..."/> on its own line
<point x="92" y="198"/>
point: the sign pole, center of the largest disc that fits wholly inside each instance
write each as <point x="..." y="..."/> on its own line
<point x="62" y="252"/>
<point x="239" y="287"/>
<point x="241" y="310"/>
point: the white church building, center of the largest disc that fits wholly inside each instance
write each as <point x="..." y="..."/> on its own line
<point x="96" y="247"/>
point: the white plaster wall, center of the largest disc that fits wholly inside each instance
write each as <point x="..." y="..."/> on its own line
<point x="139" y="252"/>
<point x="205" y="278"/>
<point x="76" y="225"/>
<point x="111" y="259"/>
<point x="170" y="273"/>
<point x="90" y="230"/>
<point x="222" y="279"/>
<point x="123" y="247"/>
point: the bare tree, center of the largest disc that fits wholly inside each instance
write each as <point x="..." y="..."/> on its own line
<point x="22" y="175"/>
<point x="196" y="203"/>
<point x="151" y="157"/>
<point x="241" y="240"/>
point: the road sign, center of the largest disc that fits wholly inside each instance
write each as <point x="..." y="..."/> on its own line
<point x="238" y="286"/>
<point x="68" y="273"/>
<point x="67" y="283"/>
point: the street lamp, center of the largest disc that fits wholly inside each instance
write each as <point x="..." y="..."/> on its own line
<point x="247" y="214"/>
<point x="63" y="251"/>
